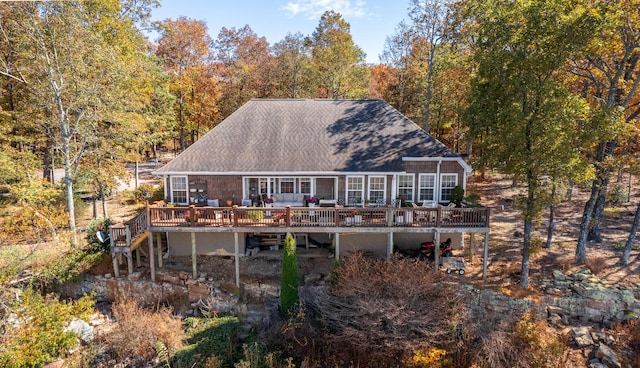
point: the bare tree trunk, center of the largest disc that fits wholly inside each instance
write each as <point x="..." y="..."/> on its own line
<point x="632" y="237"/>
<point x="595" y="232"/>
<point x="526" y="246"/>
<point x="552" y="209"/>
<point x="581" y="249"/>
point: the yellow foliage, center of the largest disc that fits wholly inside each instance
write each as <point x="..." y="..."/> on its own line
<point x="434" y="357"/>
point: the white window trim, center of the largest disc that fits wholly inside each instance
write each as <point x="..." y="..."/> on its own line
<point x="442" y="175"/>
<point x="346" y="188"/>
<point x="413" y="187"/>
<point x="384" y="186"/>
<point x="435" y="187"/>
<point x="186" y="182"/>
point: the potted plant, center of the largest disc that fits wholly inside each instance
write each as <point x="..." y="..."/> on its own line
<point x="457" y="195"/>
<point x="311" y="201"/>
<point x="229" y="202"/>
<point x="268" y="202"/>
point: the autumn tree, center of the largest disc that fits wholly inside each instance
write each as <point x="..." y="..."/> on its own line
<point x="81" y="54"/>
<point x="338" y="62"/>
<point x="185" y="46"/>
<point x="527" y="118"/>
<point x="608" y="75"/>
<point x="429" y="25"/>
<point x="245" y="65"/>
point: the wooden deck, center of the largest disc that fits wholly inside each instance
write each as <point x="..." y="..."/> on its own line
<point x="305" y="217"/>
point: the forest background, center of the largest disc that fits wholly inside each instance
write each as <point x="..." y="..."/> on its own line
<point x="544" y="91"/>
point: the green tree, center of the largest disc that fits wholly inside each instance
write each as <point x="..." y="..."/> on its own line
<point x="289" y="286"/>
<point x="292" y="67"/>
<point x="527" y="119"/>
<point x="338" y="62"/>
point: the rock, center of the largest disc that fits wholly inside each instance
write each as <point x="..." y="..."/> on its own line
<point x="312" y="277"/>
<point x="107" y="275"/>
<point x="136" y="276"/>
<point x="82" y="329"/>
<point x="581" y="336"/>
<point x="595" y="363"/>
<point x="559" y="276"/>
<point x="199" y="291"/>
<point x="608" y="357"/>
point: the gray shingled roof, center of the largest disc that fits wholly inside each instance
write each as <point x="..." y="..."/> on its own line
<point x="266" y="135"/>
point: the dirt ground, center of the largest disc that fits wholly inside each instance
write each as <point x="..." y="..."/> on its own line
<point x="505" y="240"/>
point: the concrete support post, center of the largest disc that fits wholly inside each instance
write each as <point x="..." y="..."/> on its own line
<point x="236" y="249"/>
<point x="138" y="263"/>
<point x="337" y="250"/>
<point x="194" y="259"/>
<point x="389" y="244"/>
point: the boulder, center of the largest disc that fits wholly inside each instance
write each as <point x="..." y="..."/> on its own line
<point x="82" y="329"/>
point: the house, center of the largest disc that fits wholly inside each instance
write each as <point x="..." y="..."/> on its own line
<point x="359" y="157"/>
<point x="344" y="150"/>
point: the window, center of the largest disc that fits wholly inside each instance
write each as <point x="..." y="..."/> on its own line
<point x="448" y="182"/>
<point x="405" y="187"/>
<point x="287" y="185"/>
<point x="267" y="186"/>
<point x="377" y="189"/>
<point x="426" y="187"/>
<point x="305" y="185"/>
<point x="355" y="186"/>
<point x="179" y="190"/>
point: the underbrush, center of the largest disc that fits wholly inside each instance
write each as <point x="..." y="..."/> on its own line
<point x="33" y="328"/>
<point x="506" y="341"/>
<point x="141" y="333"/>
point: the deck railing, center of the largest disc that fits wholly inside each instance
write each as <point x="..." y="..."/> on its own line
<point x="443" y="217"/>
<point x="122" y="234"/>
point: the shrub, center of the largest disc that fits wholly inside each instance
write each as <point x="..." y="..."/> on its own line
<point x="379" y="312"/>
<point x="139" y="330"/>
<point x="617" y="195"/>
<point x="289" y="286"/>
<point x="596" y="264"/>
<point x="457" y="195"/>
<point x="212" y="342"/>
<point x="628" y="335"/>
<point x="93" y="243"/>
<point x="148" y="192"/>
<point x="37" y="335"/>
<point x="528" y="342"/>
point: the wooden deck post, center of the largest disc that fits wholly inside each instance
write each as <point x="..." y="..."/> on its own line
<point x="116" y="268"/>
<point x="159" y="245"/>
<point x="337" y="248"/>
<point x="194" y="260"/>
<point x="436" y="249"/>
<point x="129" y="256"/>
<point x="486" y="255"/>
<point x="152" y="265"/>
<point x="236" y="249"/>
<point x="471" y="247"/>
<point x="389" y="244"/>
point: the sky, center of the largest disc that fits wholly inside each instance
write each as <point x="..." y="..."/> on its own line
<point x="372" y="21"/>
